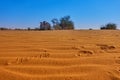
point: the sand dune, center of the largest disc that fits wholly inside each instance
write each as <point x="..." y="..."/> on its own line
<point x="60" y="55"/>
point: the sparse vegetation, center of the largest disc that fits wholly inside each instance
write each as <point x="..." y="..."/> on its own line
<point x="56" y="24"/>
<point x="90" y="29"/>
<point x="109" y="26"/>
<point x="3" y="28"/>
<point x="29" y="29"/>
<point x="63" y="24"/>
<point x="45" y="25"/>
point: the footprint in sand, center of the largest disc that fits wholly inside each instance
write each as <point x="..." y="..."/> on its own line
<point x="106" y="47"/>
<point x="84" y="53"/>
<point x="43" y="55"/>
<point x="68" y="78"/>
<point x="75" y="48"/>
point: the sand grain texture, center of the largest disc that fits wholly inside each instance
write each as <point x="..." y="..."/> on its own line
<point x="60" y="55"/>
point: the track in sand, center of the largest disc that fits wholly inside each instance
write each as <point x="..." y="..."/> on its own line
<point x="60" y="55"/>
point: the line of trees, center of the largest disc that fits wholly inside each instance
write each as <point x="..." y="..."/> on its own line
<point x="2" y="28"/>
<point x="58" y="24"/>
<point x="64" y="23"/>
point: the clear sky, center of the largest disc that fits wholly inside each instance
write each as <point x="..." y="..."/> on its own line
<point x="85" y="13"/>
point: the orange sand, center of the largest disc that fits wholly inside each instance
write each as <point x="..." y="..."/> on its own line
<point x="60" y="55"/>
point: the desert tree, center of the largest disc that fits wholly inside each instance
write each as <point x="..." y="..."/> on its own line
<point x="66" y="23"/>
<point x="28" y="28"/>
<point x="63" y="24"/>
<point x="45" y="25"/>
<point x="3" y="28"/>
<point x="56" y="24"/>
<point x="109" y="26"/>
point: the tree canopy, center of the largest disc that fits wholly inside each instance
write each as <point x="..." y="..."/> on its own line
<point x="63" y="24"/>
<point x="110" y="26"/>
<point x="45" y="25"/>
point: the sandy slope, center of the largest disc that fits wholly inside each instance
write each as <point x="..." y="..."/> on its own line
<point x="60" y="55"/>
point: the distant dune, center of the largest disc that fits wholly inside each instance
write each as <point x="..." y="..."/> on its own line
<point x="60" y="55"/>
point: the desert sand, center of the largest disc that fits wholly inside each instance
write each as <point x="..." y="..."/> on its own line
<point x="60" y="55"/>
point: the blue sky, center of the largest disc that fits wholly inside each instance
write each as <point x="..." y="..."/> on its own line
<point x="85" y="13"/>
